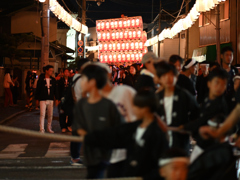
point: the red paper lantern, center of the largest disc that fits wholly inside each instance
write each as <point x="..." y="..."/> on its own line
<point x="110" y="47"/>
<point x="123" y="46"/>
<point x="125" y="24"/>
<point x="110" y="58"/>
<point x="98" y="26"/>
<point x="137" y="57"/>
<point x="120" y="24"/>
<point x="99" y="36"/>
<point x="107" y="25"/>
<point x="130" y="35"/>
<point x="123" y="57"/>
<point x="125" y="35"/>
<point x="140" y="46"/>
<point x="105" y="46"/>
<point x="128" y="57"/>
<point x="121" y="35"/>
<point x="101" y="57"/>
<point x="139" y="34"/>
<point x="113" y="36"/>
<point x="138" y="24"/>
<point x="115" y="24"/>
<point x="105" y="58"/>
<point x="108" y="36"/>
<point x="144" y="36"/>
<point x="132" y="57"/>
<point x="132" y="46"/>
<point x="114" y="57"/>
<point x="112" y="24"/>
<point x="114" y="46"/>
<point x="134" y="34"/>
<point x="101" y="47"/>
<point x="119" y="57"/>
<point x="118" y="46"/>
<point x="127" y="46"/>
<point x="136" y="45"/>
<point x="117" y="35"/>
<point x="133" y="23"/>
<point x="102" y="25"/>
<point x="140" y="56"/>
<point x="104" y="36"/>
<point x="128" y="23"/>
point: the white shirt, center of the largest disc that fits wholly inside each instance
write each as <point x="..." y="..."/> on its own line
<point x="77" y="87"/>
<point x="7" y="81"/>
<point x="48" y="85"/>
<point x="139" y="134"/>
<point x="168" y="106"/>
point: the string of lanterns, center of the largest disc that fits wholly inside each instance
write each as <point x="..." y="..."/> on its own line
<point x="67" y="18"/>
<point x="185" y="23"/>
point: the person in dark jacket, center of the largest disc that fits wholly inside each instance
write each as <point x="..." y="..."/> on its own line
<point x="131" y="78"/>
<point x="63" y="88"/>
<point x="145" y="139"/>
<point x="45" y="93"/>
<point x="177" y="106"/>
<point x="148" y="73"/>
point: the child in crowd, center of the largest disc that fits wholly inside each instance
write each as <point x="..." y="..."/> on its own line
<point x="95" y="113"/>
<point x="144" y="139"/>
<point x="177" y="106"/>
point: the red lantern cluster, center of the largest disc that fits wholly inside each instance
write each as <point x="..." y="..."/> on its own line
<point x="121" y="40"/>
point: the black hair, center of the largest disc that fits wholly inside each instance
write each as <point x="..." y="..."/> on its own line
<point x="29" y="73"/>
<point x="44" y="69"/>
<point x="47" y="67"/>
<point x="219" y="73"/>
<point x="227" y="48"/>
<point x="7" y="70"/>
<point x="211" y="64"/>
<point x="174" y="58"/>
<point x="164" y="67"/>
<point x="15" y="76"/>
<point x="146" y="98"/>
<point x="98" y="73"/>
<point x="81" y="62"/>
<point x="186" y="63"/>
<point x="65" y="69"/>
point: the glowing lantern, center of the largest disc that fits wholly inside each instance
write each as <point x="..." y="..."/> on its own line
<point x="123" y="46"/>
<point x="107" y="25"/>
<point x="103" y="36"/>
<point x="132" y="46"/>
<point x="100" y="47"/>
<point x="112" y="24"/>
<point x="130" y="35"/>
<point x="120" y="24"/>
<point x="105" y="58"/>
<point x="101" y="57"/>
<point x="125" y="24"/>
<point x="98" y="26"/>
<point x="125" y="35"/>
<point x="117" y="35"/>
<point x="128" y="57"/>
<point x="128" y="23"/>
<point x="113" y="36"/>
<point x="116" y="24"/>
<point x="110" y="58"/>
<point x="132" y="57"/>
<point x="102" y="25"/>
<point x="99" y="36"/>
<point x="136" y="45"/>
<point x="110" y="47"/>
<point x="133" y="23"/>
<point x="134" y="34"/>
<point x="108" y="36"/>
<point x="119" y="57"/>
<point x="139" y="34"/>
<point x="140" y="56"/>
<point x="127" y="46"/>
<point x="123" y="57"/>
<point x="105" y="47"/>
<point x="114" y="46"/>
<point x="140" y="47"/>
<point x="118" y="46"/>
<point x="121" y="35"/>
<point x="138" y="23"/>
<point x="114" y="57"/>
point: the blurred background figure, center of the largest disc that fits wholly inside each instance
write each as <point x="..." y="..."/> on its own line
<point x="6" y="84"/>
<point x="15" y="91"/>
<point x="132" y="77"/>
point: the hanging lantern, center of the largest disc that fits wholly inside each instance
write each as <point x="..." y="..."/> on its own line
<point x="130" y="35"/>
<point x="132" y="57"/>
<point x="139" y="34"/>
<point x="137" y="22"/>
<point x="134" y="34"/>
<point x="99" y="34"/>
<point x="137" y="57"/>
<point x="114" y="46"/>
<point x="144" y="36"/>
<point x="140" y="47"/>
<point x="136" y="45"/>
<point x="132" y="46"/>
<point x="113" y="36"/>
<point x="112" y="24"/>
<point x="102" y="25"/>
<point x="105" y="58"/>
<point x="114" y="57"/>
<point x="140" y="56"/>
<point x="100" y="47"/>
<point x="110" y="58"/>
<point x="110" y="47"/>
<point x="101" y="57"/>
<point x="118" y="46"/>
<point x="125" y="23"/>
<point x="128" y="57"/>
<point x="117" y="35"/>
<point x="123" y="57"/>
<point x="120" y="24"/>
<point x="128" y="23"/>
<point x="107" y="25"/>
<point x="104" y="36"/>
<point x="123" y="46"/>
<point x="133" y="23"/>
<point x="119" y="57"/>
<point x="121" y="35"/>
<point x="105" y="47"/>
<point x="108" y="36"/>
<point x="127" y="46"/>
<point x="115" y="24"/>
<point x="125" y="35"/>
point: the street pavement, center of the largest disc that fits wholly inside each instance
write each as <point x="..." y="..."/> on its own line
<point x="23" y="157"/>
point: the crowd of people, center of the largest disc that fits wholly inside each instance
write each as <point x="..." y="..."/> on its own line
<point x="161" y="119"/>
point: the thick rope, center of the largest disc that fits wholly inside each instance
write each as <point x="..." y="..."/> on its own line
<point x="36" y="134"/>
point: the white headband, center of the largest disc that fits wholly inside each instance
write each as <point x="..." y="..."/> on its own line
<point x="163" y="162"/>
<point x="236" y="77"/>
<point x="190" y="64"/>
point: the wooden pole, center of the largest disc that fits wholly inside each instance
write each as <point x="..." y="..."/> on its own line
<point x="217" y="13"/>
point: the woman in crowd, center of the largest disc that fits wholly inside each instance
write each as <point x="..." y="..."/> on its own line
<point x="7" y="84"/>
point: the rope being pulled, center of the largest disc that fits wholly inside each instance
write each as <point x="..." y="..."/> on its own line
<point x="36" y="134"/>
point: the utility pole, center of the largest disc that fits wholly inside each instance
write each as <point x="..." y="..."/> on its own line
<point x="186" y="33"/>
<point x="159" y="27"/>
<point x="217" y="13"/>
<point x="45" y="35"/>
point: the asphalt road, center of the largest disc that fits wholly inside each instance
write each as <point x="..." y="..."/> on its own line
<point x="24" y="157"/>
